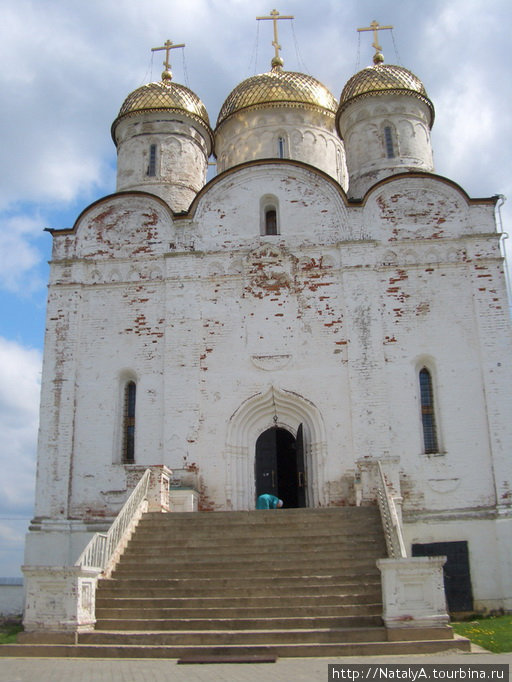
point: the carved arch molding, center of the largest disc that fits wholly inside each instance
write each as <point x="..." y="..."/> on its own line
<point x="256" y="415"/>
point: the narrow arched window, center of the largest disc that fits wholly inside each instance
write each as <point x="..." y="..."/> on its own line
<point x="269" y="215"/>
<point x="281" y="147"/>
<point x="270" y="221"/>
<point x="388" y="142"/>
<point x="427" y="412"/>
<point x="129" y="422"/>
<point x="152" y="161"/>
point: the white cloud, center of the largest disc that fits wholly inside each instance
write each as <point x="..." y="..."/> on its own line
<point x="18" y="254"/>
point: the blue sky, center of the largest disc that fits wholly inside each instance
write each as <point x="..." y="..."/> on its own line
<point x="68" y="65"/>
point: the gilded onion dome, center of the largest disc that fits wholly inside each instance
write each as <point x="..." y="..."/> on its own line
<point x="278" y="88"/>
<point x="381" y="79"/>
<point x="164" y="95"/>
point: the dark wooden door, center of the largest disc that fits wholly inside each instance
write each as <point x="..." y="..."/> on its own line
<point x="266" y="463"/>
<point x="279" y="466"/>
<point x="301" y="471"/>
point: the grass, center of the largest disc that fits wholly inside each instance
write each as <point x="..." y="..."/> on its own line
<point x="493" y="633"/>
<point x="9" y="632"/>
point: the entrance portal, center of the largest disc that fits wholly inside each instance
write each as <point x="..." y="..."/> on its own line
<point x="279" y="468"/>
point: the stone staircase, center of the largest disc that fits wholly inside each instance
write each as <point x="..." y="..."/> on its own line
<point x="287" y="579"/>
<point x="294" y="582"/>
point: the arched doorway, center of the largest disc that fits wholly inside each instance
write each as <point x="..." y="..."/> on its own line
<point x="279" y="466"/>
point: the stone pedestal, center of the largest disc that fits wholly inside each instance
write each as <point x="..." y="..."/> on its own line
<point x="184" y="500"/>
<point x="413" y="592"/>
<point x="59" y="598"/>
<point x="158" y="494"/>
<point x="184" y="491"/>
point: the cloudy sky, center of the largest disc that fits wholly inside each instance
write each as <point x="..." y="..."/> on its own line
<point x="67" y="66"/>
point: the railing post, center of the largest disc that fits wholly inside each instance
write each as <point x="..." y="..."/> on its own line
<point x="158" y="491"/>
<point x="412" y="587"/>
<point x="61" y="599"/>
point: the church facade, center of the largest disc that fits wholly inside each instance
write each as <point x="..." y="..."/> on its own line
<point x="325" y="301"/>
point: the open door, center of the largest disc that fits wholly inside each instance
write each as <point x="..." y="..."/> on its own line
<point x="301" y="471"/>
<point x="266" y="463"/>
<point x="279" y="466"/>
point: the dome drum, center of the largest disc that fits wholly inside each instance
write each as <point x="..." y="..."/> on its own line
<point x="163" y="140"/>
<point x="384" y="120"/>
<point x="280" y="114"/>
<point x="162" y="123"/>
<point x="380" y="80"/>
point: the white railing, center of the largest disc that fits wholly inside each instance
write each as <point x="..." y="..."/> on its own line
<point x="104" y="549"/>
<point x="389" y="516"/>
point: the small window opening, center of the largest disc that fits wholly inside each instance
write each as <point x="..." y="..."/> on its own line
<point x="280" y="147"/>
<point x="427" y="412"/>
<point x="129" y="422"/>
<point x="388" y="141"/>
<point x="270" y="221"/>
<point x="152" y="161"/>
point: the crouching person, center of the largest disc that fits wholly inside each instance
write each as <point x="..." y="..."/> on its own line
<point x="267" y="501"/>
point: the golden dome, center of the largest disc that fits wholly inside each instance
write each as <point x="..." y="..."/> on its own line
<point x="163" y="96"/>
<point x="383" y="79"/>
<point x="278" y="88"/>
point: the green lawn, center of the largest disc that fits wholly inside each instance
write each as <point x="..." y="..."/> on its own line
<point x="8" y="632"/>
<point x="494" y="634"/>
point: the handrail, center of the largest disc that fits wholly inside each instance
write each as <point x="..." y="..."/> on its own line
<point x="103" y="547"/>
<point x="392" y="528"/>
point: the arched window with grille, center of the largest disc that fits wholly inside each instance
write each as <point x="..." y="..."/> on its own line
<point x="281" y="147"/>
<point x="128" y="444"/>
<point x="151" y="172"/>
<point x="428" y="418"/>
<point x="390" y="140"/>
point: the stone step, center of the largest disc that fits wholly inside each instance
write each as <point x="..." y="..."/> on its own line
<point x="230" y="637"/>
<point x="319" y="585"/>
<point x="279" y="566"/>
<point x="249" y="572"/>
<point x="349" y="518"/>
<point x="223" y="552"/>
<point x="204" y="625"/>
<point x="305" y="515"/>
<point x="327" y="650"/>
<point x="274" y="601"/>
<point x="262" y="530"/>
<point x="291" y="610"/>
<point x="259" y="537"/>
<point x="189" y="547"/>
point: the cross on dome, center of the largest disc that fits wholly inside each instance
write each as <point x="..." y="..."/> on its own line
<point x="277" y="61"/>
<point x="167" y="46"/>
<point x="374" y="26"/>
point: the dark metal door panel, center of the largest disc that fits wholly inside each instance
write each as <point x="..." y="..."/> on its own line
<point x="301" y="471"/>
<point x="457" y="576"/>
<point x="266" y="463"/>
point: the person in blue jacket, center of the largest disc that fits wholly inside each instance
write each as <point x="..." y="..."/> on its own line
<point x="267" y="501"/>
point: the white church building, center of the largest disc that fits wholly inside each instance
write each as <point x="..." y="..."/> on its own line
<point x="325" y="302"/>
